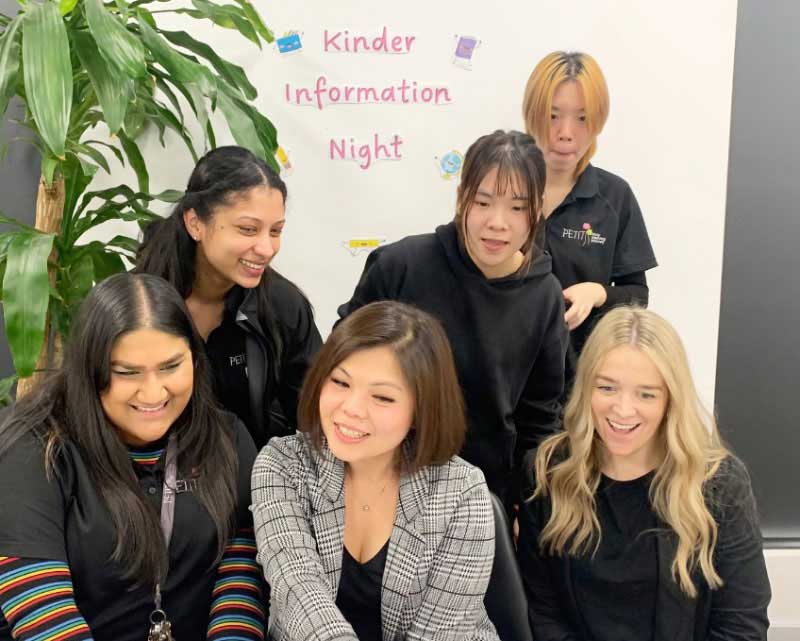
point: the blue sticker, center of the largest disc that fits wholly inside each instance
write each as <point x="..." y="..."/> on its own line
<point x="289" y="43"/>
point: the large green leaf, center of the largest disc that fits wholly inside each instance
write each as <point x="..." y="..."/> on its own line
<point x="228" y="16"/>
<point x="96" y="156"/>
<point x="5" y="390"/>
<point x="75" y="183"/>
<point x="121" y="48"/>
<point x="255" y="20"/>
<point x="112" y="90"/>
<point x="233" y="74"/>
<point x="47" y="73"/>
<point x="136" y="161"/>
<point x="177" y="65"/>
<point x="66" y="6"/>
<point x="241" y="125"/>
<point x="9" y="62"/>
<point x="26" y="292"/>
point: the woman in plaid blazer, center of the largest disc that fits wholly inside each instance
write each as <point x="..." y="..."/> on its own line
<point x="368" y="526"/>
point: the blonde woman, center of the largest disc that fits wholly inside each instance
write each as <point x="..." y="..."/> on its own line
<point x="642" y="524"/>
<point x="594" y="229"/>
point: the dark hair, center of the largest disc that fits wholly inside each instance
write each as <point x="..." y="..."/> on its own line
<point x="219" y="178"/>
<point x="66" y="408"/>
<point x="519" y="163"/>
<point x="423" y="352"/>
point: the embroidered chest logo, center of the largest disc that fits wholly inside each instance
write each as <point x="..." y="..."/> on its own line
<point x="585" y="236"/>
<point x="239" y="359"/>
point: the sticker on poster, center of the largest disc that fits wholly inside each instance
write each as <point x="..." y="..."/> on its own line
<point x="282" y="155"/>
<point x="465" y="50"/>
<point x="289" y="43"/>
<point x="449" y="164"/>
<point x="363" y="244"/>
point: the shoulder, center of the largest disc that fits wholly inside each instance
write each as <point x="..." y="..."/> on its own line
<point x="729" y="490"/>
<point x="287" y="299"/>
<point x="242" y="440"/>
<point x="611" y="185"/>
<point x="405" y="249"/>
<point x="292" y="454"/>
<point x="454" y="480"/>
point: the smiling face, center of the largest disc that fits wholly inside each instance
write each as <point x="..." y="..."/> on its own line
<point x="152" y="378"/>
<point x="366" y="407"/>
<point x="497" y="226"/>
<point x="629" y="400"/>
<point x="569" y="138"/>
<point x="237" y="244"/>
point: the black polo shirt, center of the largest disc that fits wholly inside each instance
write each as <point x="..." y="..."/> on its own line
<point x="226" y="349"/>
<point x="597" y="234"/>
<point x="65" y="519"/>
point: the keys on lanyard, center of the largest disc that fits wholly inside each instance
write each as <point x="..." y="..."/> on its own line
<point x="160" y="628"/>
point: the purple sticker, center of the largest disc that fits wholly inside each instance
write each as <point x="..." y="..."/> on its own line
<point x="465" y="47"/>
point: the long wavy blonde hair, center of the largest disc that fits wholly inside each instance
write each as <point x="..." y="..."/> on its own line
<point x="568" y="464"/>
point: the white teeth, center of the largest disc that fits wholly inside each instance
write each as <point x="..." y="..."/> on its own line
<point x="250" y="264"/>
<point x="144" y="408"/>
<point x="350" y="433"/>
<point x="621" y="426"/>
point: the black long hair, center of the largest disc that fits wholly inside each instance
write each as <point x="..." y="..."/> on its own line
<point x="167" y="249"/>
<point x="66" y="408"/>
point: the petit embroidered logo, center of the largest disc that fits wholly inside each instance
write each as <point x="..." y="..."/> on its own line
<point x="584" y="236"/>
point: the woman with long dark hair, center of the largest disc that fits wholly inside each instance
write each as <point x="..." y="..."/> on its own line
<point x="215" y="248"/>
<point x="124" y="489"/>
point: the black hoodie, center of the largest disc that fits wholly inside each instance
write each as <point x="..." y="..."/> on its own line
<point x="508" y="338"/>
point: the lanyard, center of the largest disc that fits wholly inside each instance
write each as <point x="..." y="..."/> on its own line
<point x="167" y="508"/>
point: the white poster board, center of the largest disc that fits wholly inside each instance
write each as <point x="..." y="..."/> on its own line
<point x="375" y="97"/>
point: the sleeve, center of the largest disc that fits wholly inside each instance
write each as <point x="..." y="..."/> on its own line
<point x="38" y="602"/>
<point x="240" y="595"/>
<point x="36" y="503"/>
<point x="627" y="290"/>
<point x="545" y="613"/>
<point x="372" y="286"/>
<point x="538" y="412"/>
<point x="460" y="572"/>
<point x="739" y="607"/>
<point x="633" y="251"/>
<point x="237" y="609"/>
<point x="300" y="598"/>
<point x="301" y="344"/>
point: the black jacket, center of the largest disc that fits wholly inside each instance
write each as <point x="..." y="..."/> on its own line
<point x="735" y="612"/>
<point x="508" y="338"/>
<point x="300" y="341"/>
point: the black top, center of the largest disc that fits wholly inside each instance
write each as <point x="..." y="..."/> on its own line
<point x="64" y="519"/>
<point x="624" y="568"/>
<point x="508" y="338"/>
<point x="597" y="234"/>
<point x="263" y="393"/>
<point x="738" y="610"/>
<point x="359" y="594"/>
<point x="226" y="350"/>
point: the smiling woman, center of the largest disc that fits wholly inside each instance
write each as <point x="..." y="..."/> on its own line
<point x="125" y="479"/>
<point x="500" y="305"/>
<point x="640" y="513"/>
<point x="216" y="248"/>
<point x="369" y="501"/>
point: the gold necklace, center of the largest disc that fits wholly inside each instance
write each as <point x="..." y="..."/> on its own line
<point x="365" y="507"/>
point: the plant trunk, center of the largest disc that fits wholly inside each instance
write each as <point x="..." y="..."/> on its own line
<point x="49" y="212"/>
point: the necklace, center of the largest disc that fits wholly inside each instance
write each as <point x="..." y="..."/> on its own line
<point x="365" y="506"/>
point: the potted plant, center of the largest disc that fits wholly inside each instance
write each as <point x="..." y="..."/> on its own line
<point x="90" y="76"/>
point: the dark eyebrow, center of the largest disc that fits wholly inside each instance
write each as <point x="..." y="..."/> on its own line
<point x="169" y="361"/>
<point x="376" y="384"/>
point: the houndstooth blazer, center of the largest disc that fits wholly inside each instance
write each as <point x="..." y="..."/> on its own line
<point x="438" y="564"/>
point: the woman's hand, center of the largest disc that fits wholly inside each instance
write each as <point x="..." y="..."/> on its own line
<point x="582" y="298"/>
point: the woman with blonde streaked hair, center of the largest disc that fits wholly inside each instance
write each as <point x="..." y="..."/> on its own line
<point x="642" y="524"/>
<point x="594" y="229"/>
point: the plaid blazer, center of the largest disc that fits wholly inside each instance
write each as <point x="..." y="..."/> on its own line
<point x="439" y="559"/>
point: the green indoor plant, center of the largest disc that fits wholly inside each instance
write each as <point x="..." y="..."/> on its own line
<point x="77" y="64"/>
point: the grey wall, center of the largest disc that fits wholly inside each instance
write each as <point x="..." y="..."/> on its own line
<point x="758" y="367"/>
<point x="19" y="172"/>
